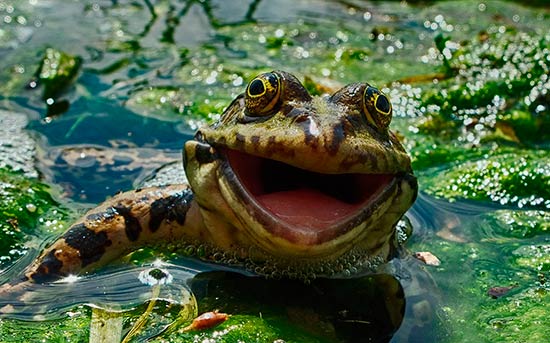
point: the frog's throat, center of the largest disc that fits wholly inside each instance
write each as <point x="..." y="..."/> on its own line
<point x="293" y="211"/>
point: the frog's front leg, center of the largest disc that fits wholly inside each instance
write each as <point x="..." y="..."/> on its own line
<point x="119" y="225"/>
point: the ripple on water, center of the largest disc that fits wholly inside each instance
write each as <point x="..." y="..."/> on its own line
<point x="113" y="291"/>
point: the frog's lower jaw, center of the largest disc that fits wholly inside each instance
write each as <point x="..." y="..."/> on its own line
<point x="314" y="216"/>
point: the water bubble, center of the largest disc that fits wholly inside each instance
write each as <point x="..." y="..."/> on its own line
<point x="367" y="16"/>
<point x="238" y="81"/>
<point x="218" y="256"/>
<point x="279" y="33"/>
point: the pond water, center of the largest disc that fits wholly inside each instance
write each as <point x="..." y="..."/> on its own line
<point x="150" y="72"/>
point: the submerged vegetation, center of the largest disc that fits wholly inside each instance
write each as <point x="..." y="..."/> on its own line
<point x="133" y="79"/>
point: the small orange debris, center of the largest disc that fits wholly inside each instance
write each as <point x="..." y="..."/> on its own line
<point x="428" y="258"/>
<point x="207" y="320"/>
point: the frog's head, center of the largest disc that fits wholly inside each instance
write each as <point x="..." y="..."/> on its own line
<point x="301" y="176"/>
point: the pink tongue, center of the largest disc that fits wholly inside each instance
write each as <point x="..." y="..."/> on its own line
<point x="306" y="208"/>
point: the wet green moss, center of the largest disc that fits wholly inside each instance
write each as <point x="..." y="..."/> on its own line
<point x="535" y="256"/>
<point x="521" y="178"/>
<point x="480" y="261"/>
<point x="519" y="318"/>
<point x="498" y="89"/>
<point x="25" y="205"/>
<point x="521" y="224"/>
<point x="56" y="72"/>
<point x="246" y="328"/>
<point x="164" y="102"/>
<point x="75" y="328"/>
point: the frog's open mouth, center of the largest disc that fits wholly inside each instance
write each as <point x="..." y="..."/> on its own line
<point x="319" y="206"/>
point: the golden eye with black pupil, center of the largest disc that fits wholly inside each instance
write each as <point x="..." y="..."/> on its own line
<point x="377" y="107"/>
<point x="262" y="95"/>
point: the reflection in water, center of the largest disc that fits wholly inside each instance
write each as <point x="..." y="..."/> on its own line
<point x="430" y="215"/>
<point x="368" y="308"/>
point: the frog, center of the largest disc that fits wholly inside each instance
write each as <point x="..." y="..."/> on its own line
<point x="302" y="185"/>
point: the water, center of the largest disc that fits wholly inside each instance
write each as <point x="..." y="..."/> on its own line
<point x="150" y="75"/>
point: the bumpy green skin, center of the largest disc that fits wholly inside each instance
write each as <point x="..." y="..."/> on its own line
<point x="322" y="136"/>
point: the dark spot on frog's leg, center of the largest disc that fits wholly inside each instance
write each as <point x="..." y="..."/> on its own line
<point x="240" y="141"/>
<point x="131" y="223"/>
<point x="90" y="244"/>
<point x="255" y="140"/>
<point x="204" y="153"/>
<point x="173" y="207"/>
<point x="49" y="269"/>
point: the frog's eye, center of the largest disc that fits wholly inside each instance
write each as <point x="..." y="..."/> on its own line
<point x="377" y="107"/>
<point x="262" y="95"/>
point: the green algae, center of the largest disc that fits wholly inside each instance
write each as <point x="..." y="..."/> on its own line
<point x="487" y="260"/>
<point x="502" y="79"/>
<point x="521" y="224"/>
<point x="75" y="328"/>
<point x="164" y="102"/>
<point x="56" y="72"/>
<point x="519" y="318"/>
<point x="521" y="178"/>
<point x="25" y="205"/>
<point x="246" y="328"/>
<point x="265" y="327"/>
<point x="536" y="257"/>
